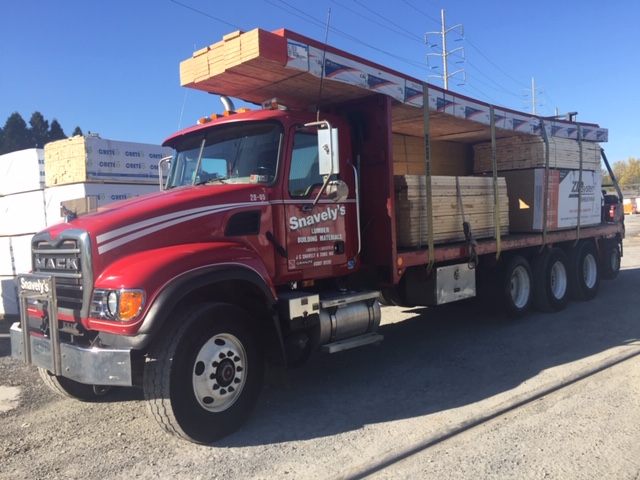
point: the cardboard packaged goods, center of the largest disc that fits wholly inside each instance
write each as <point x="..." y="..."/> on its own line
<point x="526" y="194"/>
<point x="93" y="159"/>
<point x="522" y="152"/>
<point x="478" y="202"/>
<point x="15" y="254"/>
<point x="22" y="171"/>
<point x="22" y="213"/>
<point x="103" y="193"/>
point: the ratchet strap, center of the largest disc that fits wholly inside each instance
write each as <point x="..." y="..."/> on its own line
<point x="468" y="235"/>
<point x="429" y="193"/>
<point x="494" y="165"/>
<point x="579" y="130"/>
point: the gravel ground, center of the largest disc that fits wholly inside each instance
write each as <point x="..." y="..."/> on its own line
<point x="340" y="416"/>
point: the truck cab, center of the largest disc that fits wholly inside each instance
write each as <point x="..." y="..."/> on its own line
<point x="243" y="257"/>
<point x="285" y="206"/>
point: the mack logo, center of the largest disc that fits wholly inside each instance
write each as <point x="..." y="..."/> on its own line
<point x="37" y="285"/>
<point x="57" y="263"/>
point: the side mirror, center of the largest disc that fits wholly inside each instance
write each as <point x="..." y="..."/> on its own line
<point x="337" y="191"/>
<point x="328" y="153"/>
<point x="163" y="165"/>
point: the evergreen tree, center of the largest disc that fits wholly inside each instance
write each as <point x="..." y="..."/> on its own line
<point x="77" y="131"/>
<point x="39" y="130"/>
<point x="55" y="132"/>
<point x="1" y="139"/>
<point x="16" y="134"/>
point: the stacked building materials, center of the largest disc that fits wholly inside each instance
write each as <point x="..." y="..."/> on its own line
<point x="523" y="152"/>
<point x="94" y="159"/>
<point x="477" y="203"/>
<point x="22" y="213"/>
<point x="522" y="160"/>
<point x="447" y="158"/>
<point x="81" y="172"/>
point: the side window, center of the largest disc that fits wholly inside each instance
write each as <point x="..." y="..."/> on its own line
<point x="304" y="173"/>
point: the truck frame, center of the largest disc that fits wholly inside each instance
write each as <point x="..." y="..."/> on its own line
<point x="275" y="236"/>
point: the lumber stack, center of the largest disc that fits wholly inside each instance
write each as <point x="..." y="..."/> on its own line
<point x="93" y="159"/>
<point x="447" y="158"/>
<point x="248" y="61"/>
<point x="477" y="200"/>
<point x="524" y="152"/>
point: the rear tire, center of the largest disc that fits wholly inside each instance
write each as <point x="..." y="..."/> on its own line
<point x="584" y="271"/>
<point x="65" y="387"/>
<point x="515" y="292"/>
<point x="550" y="280"/>
<point x="205" y="373"/>
<point x="612" y="260"/>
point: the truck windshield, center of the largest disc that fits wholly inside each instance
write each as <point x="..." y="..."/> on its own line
<point x="243" y="152"/>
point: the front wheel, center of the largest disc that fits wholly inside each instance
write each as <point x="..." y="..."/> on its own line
<point x="204" y="375"/>
<point x="65" y="387"/>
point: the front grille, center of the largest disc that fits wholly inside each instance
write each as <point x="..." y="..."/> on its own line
<point x="64" y="258"/>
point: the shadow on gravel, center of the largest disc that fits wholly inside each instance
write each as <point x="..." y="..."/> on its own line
<point x="438" y="360"/>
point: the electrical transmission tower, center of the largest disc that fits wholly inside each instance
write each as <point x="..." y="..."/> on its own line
<point x="534" y="91"/>
<point x="445" y="54"/>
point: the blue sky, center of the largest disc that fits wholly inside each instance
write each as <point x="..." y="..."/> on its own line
<point x="112" y="67"/>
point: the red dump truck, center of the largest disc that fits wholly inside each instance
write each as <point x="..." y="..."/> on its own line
<point x="280" y="231"/>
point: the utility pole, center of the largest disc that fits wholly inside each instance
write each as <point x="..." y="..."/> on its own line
<point x="445" y="54"/>
<point x="534" y="89"/>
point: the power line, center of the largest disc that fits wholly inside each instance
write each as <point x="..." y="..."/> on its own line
<point x="206" y="15"/>
<point x="306" y="17"/>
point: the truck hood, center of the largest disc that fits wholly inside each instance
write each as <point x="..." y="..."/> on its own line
<point x="173" y="217"/>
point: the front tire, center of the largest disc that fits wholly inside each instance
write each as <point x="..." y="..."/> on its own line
<point x="204" y="375"/>
<point x="65" y="387"/>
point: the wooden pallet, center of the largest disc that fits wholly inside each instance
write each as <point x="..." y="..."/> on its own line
<point x="523" y="152"/>
<point x="477" y="200"/>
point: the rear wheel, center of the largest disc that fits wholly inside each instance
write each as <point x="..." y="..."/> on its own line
<point x="204" y="375"/>
<point x="612" y="260"/>
<point x="515" y="292"/>
<point x="65" y="387"/>
<point x="584" y="271"/>
<point x="550" y="280"/>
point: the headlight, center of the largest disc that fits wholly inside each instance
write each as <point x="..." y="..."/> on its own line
<point x="112" y="304"/>
<point x="121" y="305"/>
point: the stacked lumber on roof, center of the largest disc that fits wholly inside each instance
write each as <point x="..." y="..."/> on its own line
<point x="522" y="152"/>
<point x="250" y="60"/>
<point x="477" y="201"/>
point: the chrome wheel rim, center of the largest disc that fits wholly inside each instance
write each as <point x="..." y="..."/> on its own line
<point x="219" y="372"/>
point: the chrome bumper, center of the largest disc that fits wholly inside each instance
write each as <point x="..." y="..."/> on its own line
<point x="93" y="366"/>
